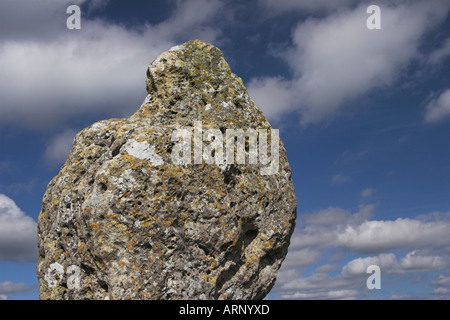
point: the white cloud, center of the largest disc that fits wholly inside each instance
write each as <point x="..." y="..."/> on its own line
<point x="350" y="283"/>
<point x="413" y="261"/>
<point x="322" y="295"/>
<point x="51" y="74"/>
<point x="317" y="286"/>
<point x="18" y="233"/>
<point x="367" y="192"/>
<point x="302" y="257"/>
<point x="438" y="108"/>
<point x="8" y="287"/>
<point x="325" y="234"/>
<point x="337" y="59"/>
<point x="377" y="236"/>
<point x="441" y="291"/>
<point x="442" y="281"/>
<point x="443" y="287"/>
<point x="320" y="229"/>
<point x="273" y="95"/>
<point x="359" y="266"/>
<point x="339" y="228"/>
<point x="422" y="261"/>
<point x="187" y="20"/>
<point x="335" y="217"/>
<point x="59" y="146"/>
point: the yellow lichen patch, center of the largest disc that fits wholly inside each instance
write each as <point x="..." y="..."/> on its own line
<point x="110" y="215"/>
<point x="130" y="245"/>
<point x="136" y="268"/>
<point x="209" y="279"/>
<point x="81" y="248"/>
<point x="54" y="202"/>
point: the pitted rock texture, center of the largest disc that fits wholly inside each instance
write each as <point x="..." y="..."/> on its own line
<point x="122" y="221"/>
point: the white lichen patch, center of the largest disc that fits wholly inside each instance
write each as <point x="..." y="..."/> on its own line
<point x="54" y="274"/>
<point x="225" y="104"/>
<point x="143" y="151"/>
<point x="147" y="99"/>
<point x="177" y="48"/>
<point x="158" y="65"/>
<point x="125" y="179"/>
<point x="99" y="126"/>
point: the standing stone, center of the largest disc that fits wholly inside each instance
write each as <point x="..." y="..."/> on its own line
<point x="125" y="218"/>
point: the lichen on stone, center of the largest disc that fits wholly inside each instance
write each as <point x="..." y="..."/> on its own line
<point x="135" y="225"/>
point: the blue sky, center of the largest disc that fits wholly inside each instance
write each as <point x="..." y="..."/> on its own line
<point x="364" y="116"/>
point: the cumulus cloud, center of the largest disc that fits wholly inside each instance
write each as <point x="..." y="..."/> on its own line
<point x="443" y="286"/>
<point x="9" y="287"/>
<point x="413" y="261"/>
<point x="400" y="246"/>
<point x="442" y="281"/>
<point x="302" y="257"/>
<point x="372" y="236"/>
<point x="51" y="74"/>
<point x="438" y="108"/>
<point x="337" y="59"/>
<point x="423" y="260"/>
<point x="359" y="266"/>
<point x="274" y="95"/>
<point x="320" y="285"/>
<point x="18" y="233"/>
<point x="320" y="229"/>
<point x="441" y="291"/>
<point x="350" y="283"/>
<point x="377" y="236"/>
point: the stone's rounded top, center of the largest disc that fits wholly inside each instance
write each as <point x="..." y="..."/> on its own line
<point x="192" y="54"/>
<point x="201" y="55"/>
<point x="193" y="82"/>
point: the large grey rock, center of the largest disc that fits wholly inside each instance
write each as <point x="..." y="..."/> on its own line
<point x="133" y="216"/>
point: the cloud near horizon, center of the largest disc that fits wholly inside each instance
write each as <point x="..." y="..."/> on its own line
<point x="341" y="232"/>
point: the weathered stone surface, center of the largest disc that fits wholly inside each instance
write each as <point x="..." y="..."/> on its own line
<point x="121" y="220"/>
